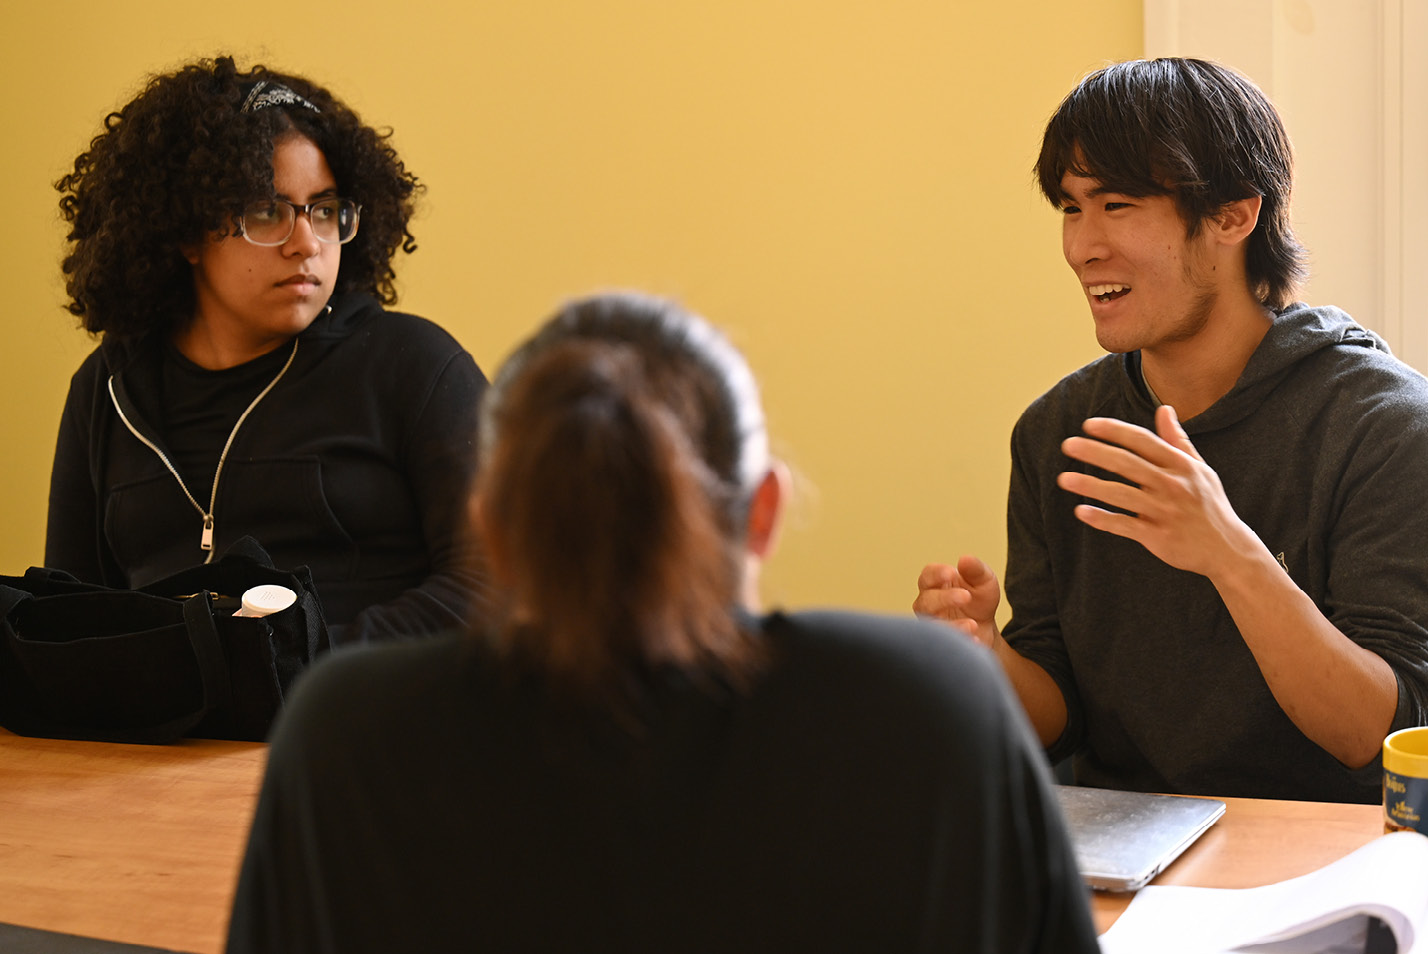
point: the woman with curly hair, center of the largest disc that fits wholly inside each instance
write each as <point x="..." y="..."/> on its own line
<point x="231" y="243"/>
<point x="627" y="754"/>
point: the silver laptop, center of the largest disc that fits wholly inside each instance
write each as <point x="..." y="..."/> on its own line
<point x="1123" y="839"/>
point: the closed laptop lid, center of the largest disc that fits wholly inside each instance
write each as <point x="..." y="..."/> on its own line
<point x="1123" y="839"/>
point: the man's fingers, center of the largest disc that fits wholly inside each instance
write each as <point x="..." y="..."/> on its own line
<point x="967" y="591"/>
<point x="938" y="603"/>
<point x="1111" y="492"/>
<point x="1138" y="441"/>
<point x="1167" y="425"/>
<point x="1118" y="524"/>
<point x="936" y="575"/>
<point x="973" y="571"/>
<point x="1108" y="457"/>
<point x="968" y="626"/>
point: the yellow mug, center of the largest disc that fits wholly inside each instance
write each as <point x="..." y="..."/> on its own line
<point x="1405" y="780"/>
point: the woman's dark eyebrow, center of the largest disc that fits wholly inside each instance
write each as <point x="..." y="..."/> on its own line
<point x="327" y="193"/>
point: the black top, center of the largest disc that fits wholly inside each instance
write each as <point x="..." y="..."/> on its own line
<point x="1322" y="448"/>
<point x="356" y="464"/>
<point x="878" y="790"/>
<point x="197" y="408"/>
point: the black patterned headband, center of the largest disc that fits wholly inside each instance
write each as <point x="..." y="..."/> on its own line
<point x="266" y="93"/>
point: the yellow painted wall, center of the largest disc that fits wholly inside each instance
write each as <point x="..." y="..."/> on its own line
<point x="842" y="184"/>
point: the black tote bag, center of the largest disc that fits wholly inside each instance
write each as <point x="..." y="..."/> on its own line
<point x="82" y="661"/>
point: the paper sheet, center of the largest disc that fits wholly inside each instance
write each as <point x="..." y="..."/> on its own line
<point x="1323" y="912"/>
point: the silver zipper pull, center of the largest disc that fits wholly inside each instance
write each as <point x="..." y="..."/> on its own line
<point x="206" y="543"/>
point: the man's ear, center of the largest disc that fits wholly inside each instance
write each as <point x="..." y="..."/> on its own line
<point x="190" y="252"/>
<point x="766" y="510"/>
<point x="1234" y="223"/>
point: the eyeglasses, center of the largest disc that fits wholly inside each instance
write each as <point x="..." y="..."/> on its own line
<point x="269" y="222"/>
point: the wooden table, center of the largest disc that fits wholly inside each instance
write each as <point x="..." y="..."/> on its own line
<point x="132" y="843"/>
<point x="1258" y="842"/>
<point x="142" y="844"/>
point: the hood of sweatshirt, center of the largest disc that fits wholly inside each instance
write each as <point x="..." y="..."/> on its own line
<point x="136" y="365"/>
<point x="346" y="312"/>
<point x="1299" y="333"/>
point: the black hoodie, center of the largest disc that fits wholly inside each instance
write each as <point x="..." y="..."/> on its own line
<point x="1322" y="448"/>
<point x="355" y="464"/>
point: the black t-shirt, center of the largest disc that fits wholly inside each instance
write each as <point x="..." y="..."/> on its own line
<point x="197" y="409"/>
<point x="878" y="789"/>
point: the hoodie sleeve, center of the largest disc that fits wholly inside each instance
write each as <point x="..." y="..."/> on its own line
<point x="1035" y="631"/>
<point x="440" y="462"/>
<point x="73" y="535"/>
<point x="1376" y="590"/>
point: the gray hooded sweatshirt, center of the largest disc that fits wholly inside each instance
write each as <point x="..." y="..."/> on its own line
<point x="1322" y="448"/>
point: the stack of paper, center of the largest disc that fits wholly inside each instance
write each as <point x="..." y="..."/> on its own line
<point x="1325" y="912"/>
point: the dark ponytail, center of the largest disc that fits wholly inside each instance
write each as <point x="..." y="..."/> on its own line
<point x="614" y="494"/>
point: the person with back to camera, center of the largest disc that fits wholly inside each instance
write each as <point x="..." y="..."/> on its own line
<point x="232" y="237"/>
<point x="629" y="757"/>
<point x="1235" y="604"/>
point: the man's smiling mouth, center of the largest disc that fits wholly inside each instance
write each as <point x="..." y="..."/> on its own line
<point x="1108" y="292"/>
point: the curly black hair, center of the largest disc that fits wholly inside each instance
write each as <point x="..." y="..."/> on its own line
<point x="177" y="164"/>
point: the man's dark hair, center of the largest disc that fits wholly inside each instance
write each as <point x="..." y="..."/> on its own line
<point x="1190" y="129"/>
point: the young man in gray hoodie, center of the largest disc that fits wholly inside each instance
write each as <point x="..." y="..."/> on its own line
<point x="1217" y="534"/>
